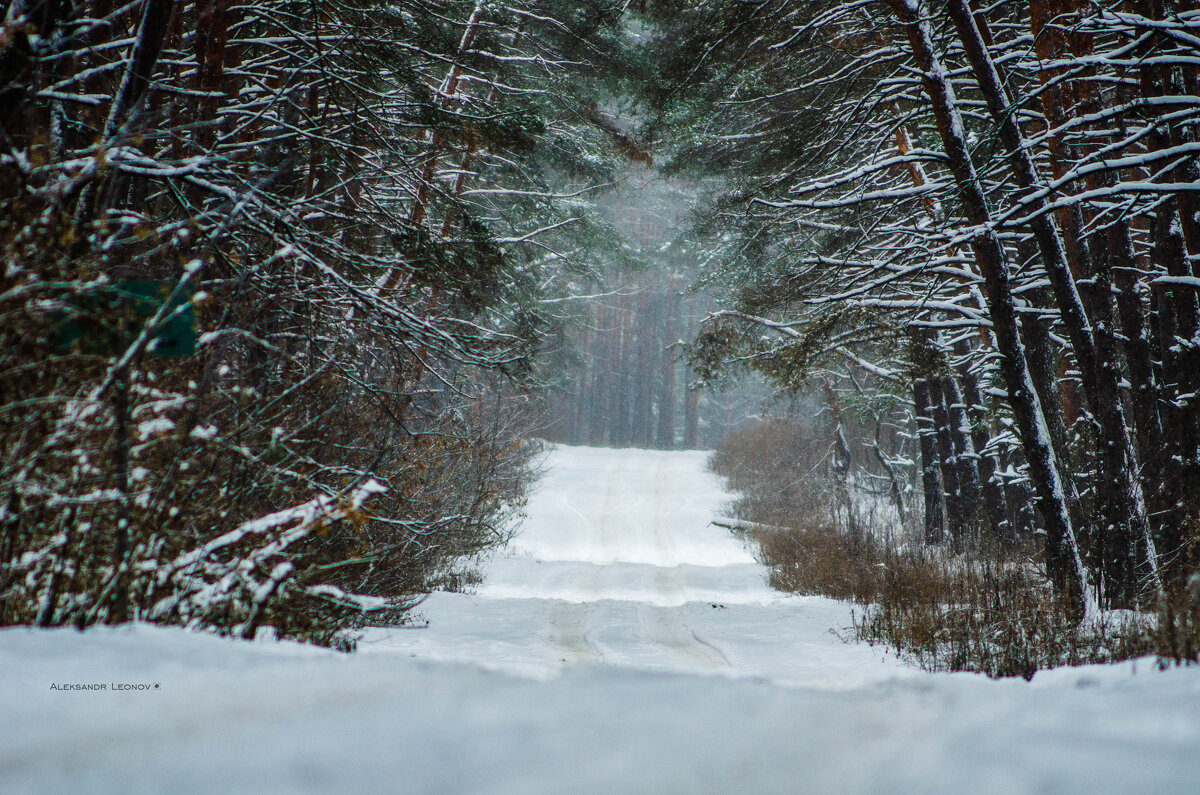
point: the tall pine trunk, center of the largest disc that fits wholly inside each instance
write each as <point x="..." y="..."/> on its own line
<point x="992" y="262"/>
<point x="1124" y="525"/>
<point x="931" y="490"/>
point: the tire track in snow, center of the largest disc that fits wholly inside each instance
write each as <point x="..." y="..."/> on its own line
<point x="659" y="516"/>
<point x="617" y="545"/>
<point x="567" y="632"/>
<point x="664" y="626"/>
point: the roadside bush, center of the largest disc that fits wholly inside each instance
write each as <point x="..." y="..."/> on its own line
<point x="1177" y="632"/>
<point x="986" y="611"/>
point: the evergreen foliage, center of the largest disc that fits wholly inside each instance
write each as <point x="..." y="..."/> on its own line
<point x="344" y="209"/>
<point x="986" y="214"/>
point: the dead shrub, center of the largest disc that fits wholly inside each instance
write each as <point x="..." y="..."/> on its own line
<point x="994" y="617"/>
<point x="1177" y="633"/>
<point x="988" y="611"/>
<point x="817" y="560"/>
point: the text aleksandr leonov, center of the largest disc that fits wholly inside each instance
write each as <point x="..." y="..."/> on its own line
<point x="103" y="686"/>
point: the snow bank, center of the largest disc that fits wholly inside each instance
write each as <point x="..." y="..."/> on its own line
<point x="236" y="716"/>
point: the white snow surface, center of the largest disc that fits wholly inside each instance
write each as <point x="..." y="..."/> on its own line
<point x="593" y="660"/>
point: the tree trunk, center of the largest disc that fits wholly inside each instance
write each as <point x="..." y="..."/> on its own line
<point x="931" y="489"/>
<point x="666" y="394"/>
<point x="993" y="491"/>
<point x="1067" y="567"/>
<point x="691" y="417"/>
<point x="842" y="468"/>
<point x="643" y="385"/>
<point x="956" y="513"/>
<point x="1123" y="514"/>
<point x="894" y="489"/>
<point x="623" y="414"/>
<point x="583" y="407"/>
<point x="966" y="461"/>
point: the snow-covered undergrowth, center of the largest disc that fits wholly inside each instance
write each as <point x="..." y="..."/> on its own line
<point x="672" y="668"/>
<point x="972" y="606"/>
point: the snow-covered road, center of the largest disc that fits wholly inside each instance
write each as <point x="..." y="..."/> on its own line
<point x="621" y="644"/>
<point x="618" y="565"/>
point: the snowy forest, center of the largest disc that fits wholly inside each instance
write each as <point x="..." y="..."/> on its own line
<point x="292" y="291"/>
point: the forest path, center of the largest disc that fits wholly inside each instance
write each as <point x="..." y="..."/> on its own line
<point x="592" y="661"/>
<point x="618" y="564"/>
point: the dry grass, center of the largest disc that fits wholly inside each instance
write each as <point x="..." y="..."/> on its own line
<point x="954" y="614"/>
<point x="1177" y="633"/>
<point x="981" y="612"/>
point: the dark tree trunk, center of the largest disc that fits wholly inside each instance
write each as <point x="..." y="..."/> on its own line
<point x="1122" y="505"/>
<point x="931" y="489"/>
<point x="966" y="461"/>
<point x="1176" y="313"/>
<point x="1145" y="395"/>
<point x="993" y="491"/>
<point x="1064" y="563"/>
<point x="956" y="512"/>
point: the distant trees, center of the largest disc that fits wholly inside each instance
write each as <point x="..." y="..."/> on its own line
<point x="615" y="372"/>
<point x="619" y="387"/>
<point x="271" y="282"/>
<point x="986" y="212"/>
